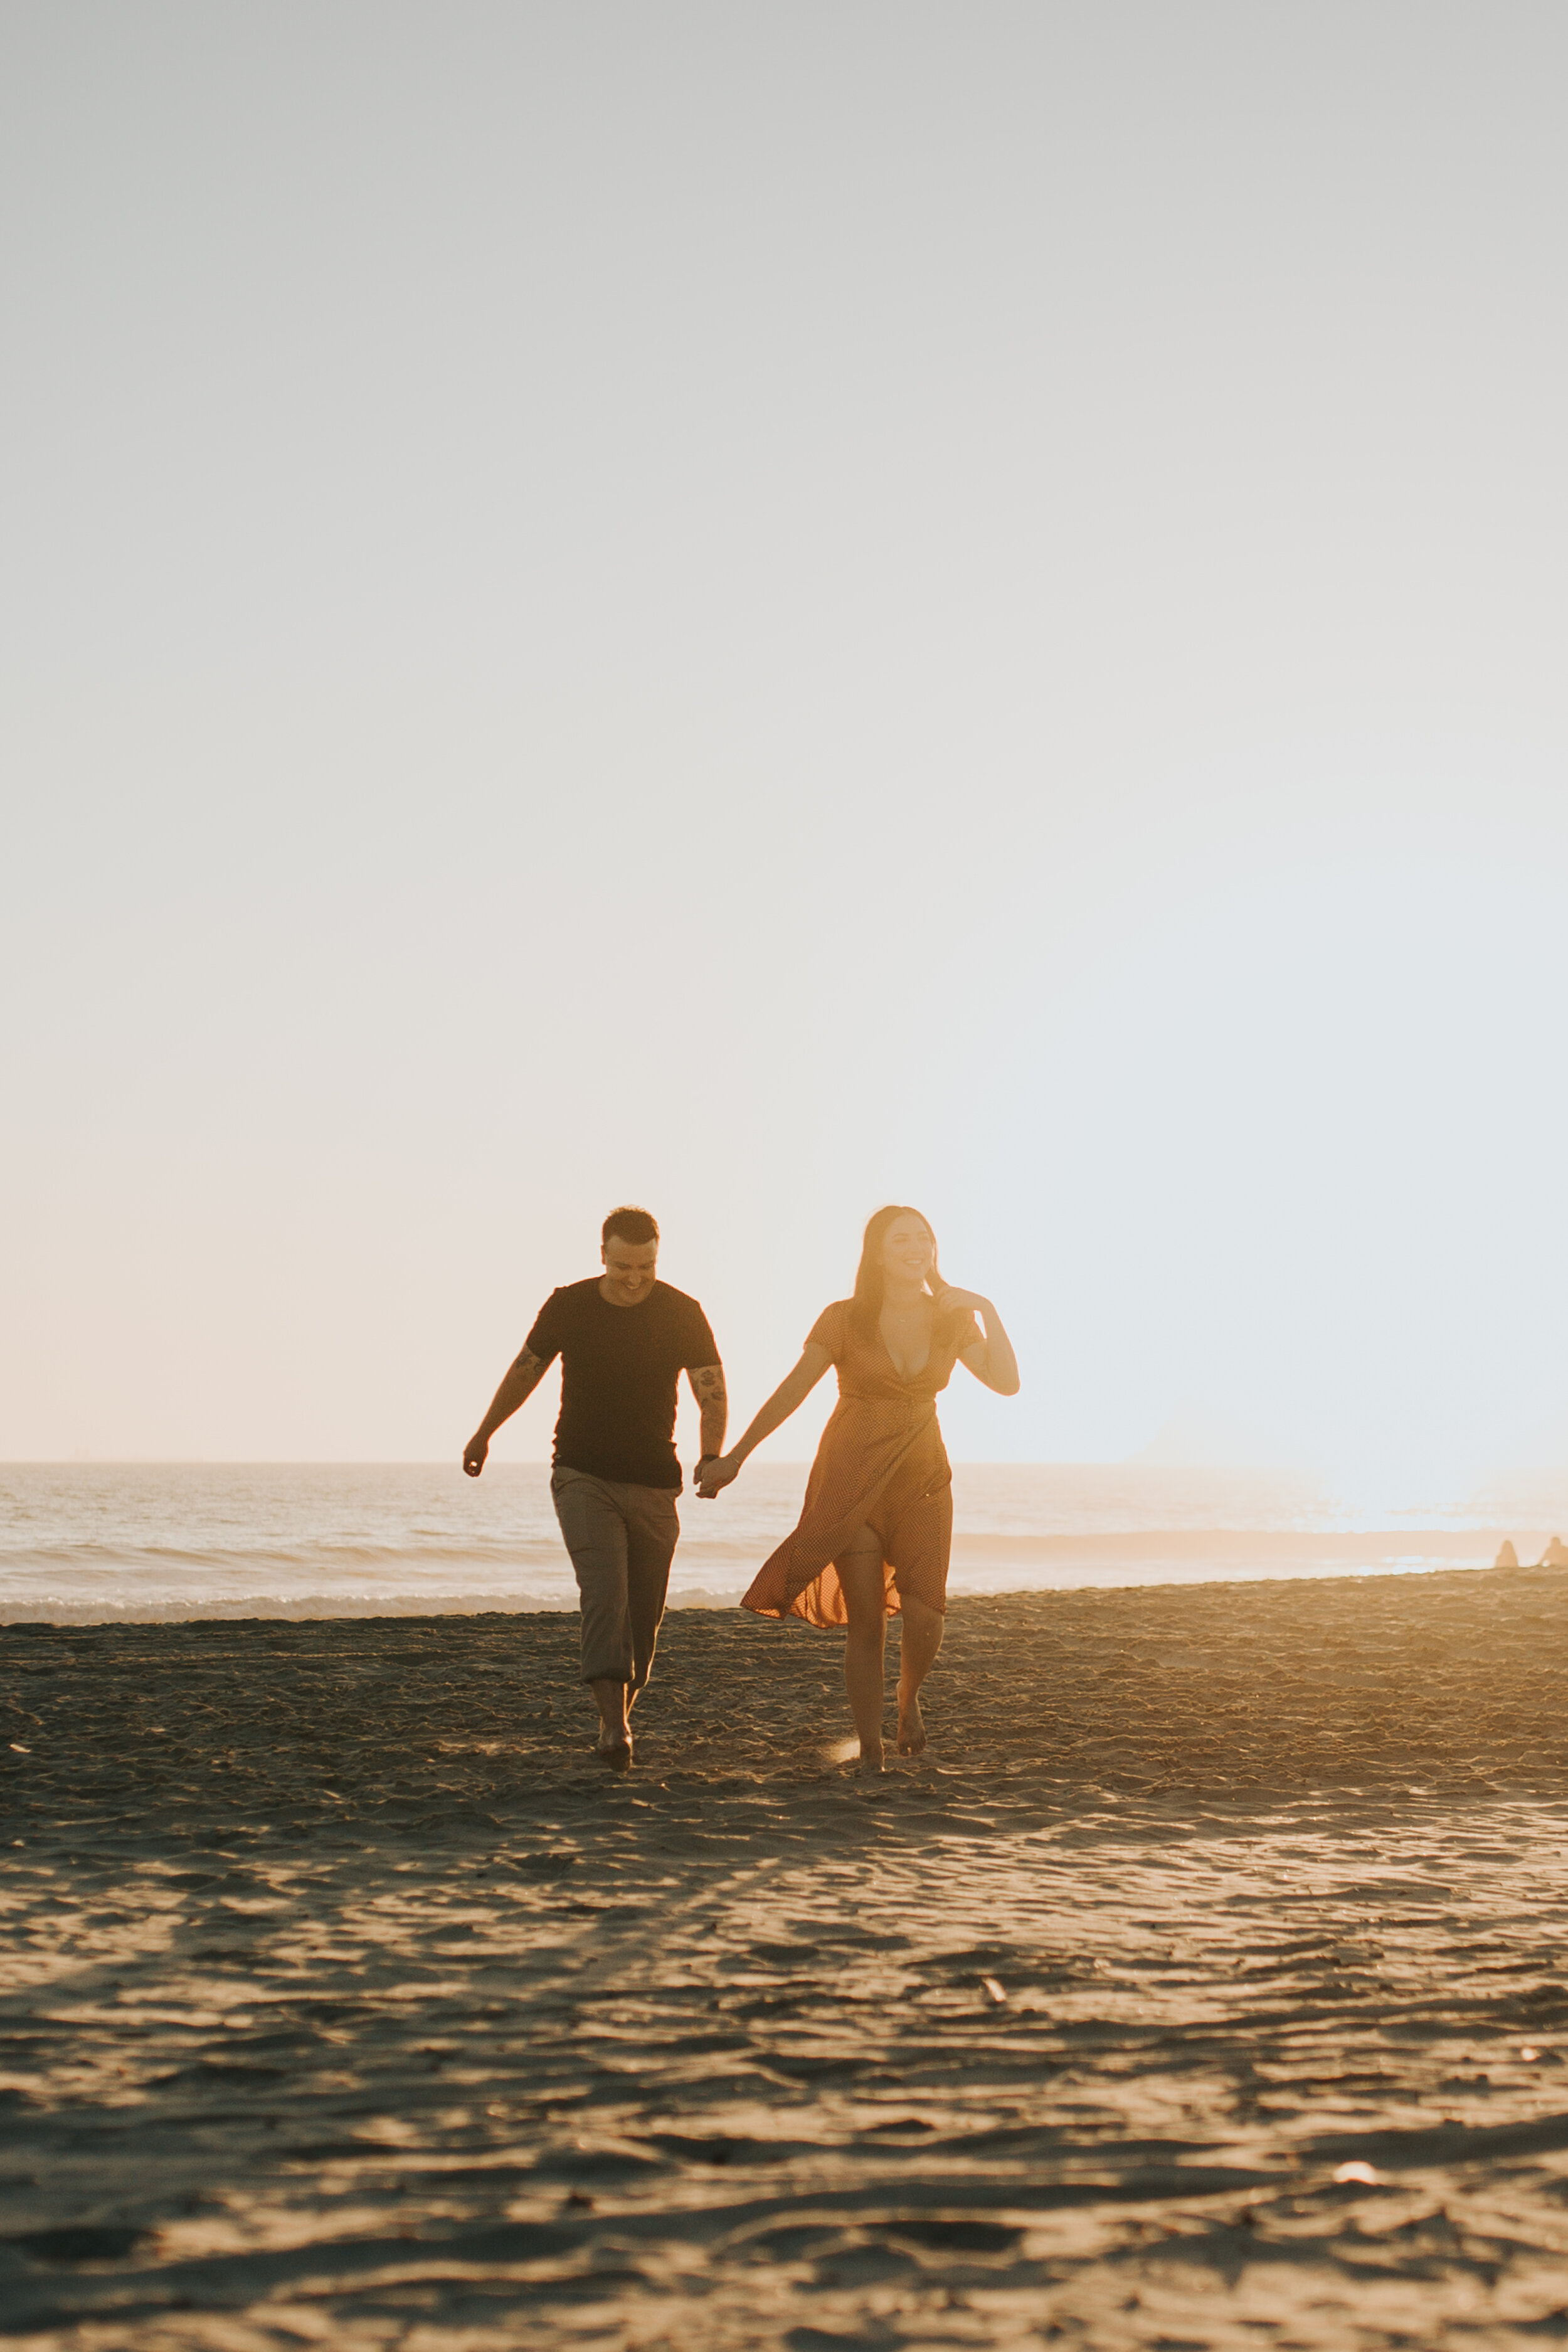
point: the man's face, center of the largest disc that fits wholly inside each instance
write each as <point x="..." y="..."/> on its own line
<point x="629" y="1268"/>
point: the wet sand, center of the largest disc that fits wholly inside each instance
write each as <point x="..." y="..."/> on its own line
<point x="348" y="2002"/>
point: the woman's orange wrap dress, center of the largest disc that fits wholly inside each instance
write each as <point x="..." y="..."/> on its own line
<point x="882" y="1464"/>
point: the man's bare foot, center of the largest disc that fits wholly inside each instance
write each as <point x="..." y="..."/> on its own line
<point x="614" y="1745"/>
<point x="911" y="1726"/>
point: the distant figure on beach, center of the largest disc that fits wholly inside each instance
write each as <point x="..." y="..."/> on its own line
<point x="876" y="1531"/>
<point x="623" y="1340"/>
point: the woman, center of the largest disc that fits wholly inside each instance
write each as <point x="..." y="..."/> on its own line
<point x="877" y="1527"/>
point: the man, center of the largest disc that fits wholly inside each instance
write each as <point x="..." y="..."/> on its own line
<point x="623" y="1341"/>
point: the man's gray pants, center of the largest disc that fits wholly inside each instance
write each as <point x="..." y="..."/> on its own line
<point x="622" y="1540"/>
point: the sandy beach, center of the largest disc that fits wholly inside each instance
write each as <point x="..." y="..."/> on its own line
<point x="1202" y="1986"/>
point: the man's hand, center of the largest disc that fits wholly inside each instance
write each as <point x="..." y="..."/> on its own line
<point x="523" y="1375"/>
<point x="953" y="1302"/>
<point x="718" y="1471"/>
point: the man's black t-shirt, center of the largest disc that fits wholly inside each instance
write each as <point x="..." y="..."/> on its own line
<point x="619" y="1366"/>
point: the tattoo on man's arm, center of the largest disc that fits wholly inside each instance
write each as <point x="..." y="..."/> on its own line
<point x="526" y="1366"/>
<point x="708" y="1387"/>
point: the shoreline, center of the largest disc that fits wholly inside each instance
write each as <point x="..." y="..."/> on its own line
<point x="708" y="1576"/>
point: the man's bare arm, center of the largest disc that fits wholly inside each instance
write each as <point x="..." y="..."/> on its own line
<point x="708" y="1387"/>
<point x="522" y="1378"/>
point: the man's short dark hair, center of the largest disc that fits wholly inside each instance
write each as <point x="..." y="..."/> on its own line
<point x="634" y="1225"/>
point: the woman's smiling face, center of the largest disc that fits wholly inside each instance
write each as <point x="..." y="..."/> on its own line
<point x="908" y="1249"/>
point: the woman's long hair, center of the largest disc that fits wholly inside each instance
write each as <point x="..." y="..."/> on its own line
<point x="866" y="1305"/>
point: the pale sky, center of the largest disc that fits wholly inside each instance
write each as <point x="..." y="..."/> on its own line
<point x="764" y="609"/>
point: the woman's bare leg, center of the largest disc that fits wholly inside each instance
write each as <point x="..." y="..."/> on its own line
<point x="865" y="1597"/>
<point x="920" y="1641"/>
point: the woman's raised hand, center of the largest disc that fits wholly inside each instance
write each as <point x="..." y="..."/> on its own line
<point x="953" y="1302"/>
<point x="718" y="1471"/>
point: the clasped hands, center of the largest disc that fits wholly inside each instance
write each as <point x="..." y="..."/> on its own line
<point x="714" y="1471"/>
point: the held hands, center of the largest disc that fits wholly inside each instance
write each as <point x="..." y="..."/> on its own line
<point x="474" y="1454"/>
<point x="719" y="1470"/>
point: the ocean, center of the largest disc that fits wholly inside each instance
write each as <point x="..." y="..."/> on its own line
<point x="85" y="1543"/>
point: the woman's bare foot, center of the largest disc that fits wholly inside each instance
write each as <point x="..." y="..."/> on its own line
<point x="871" y="1753"/>
<point x="911" y="1726"/>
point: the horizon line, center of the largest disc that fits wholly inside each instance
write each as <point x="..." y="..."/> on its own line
<point x="1139" y="1461"/>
